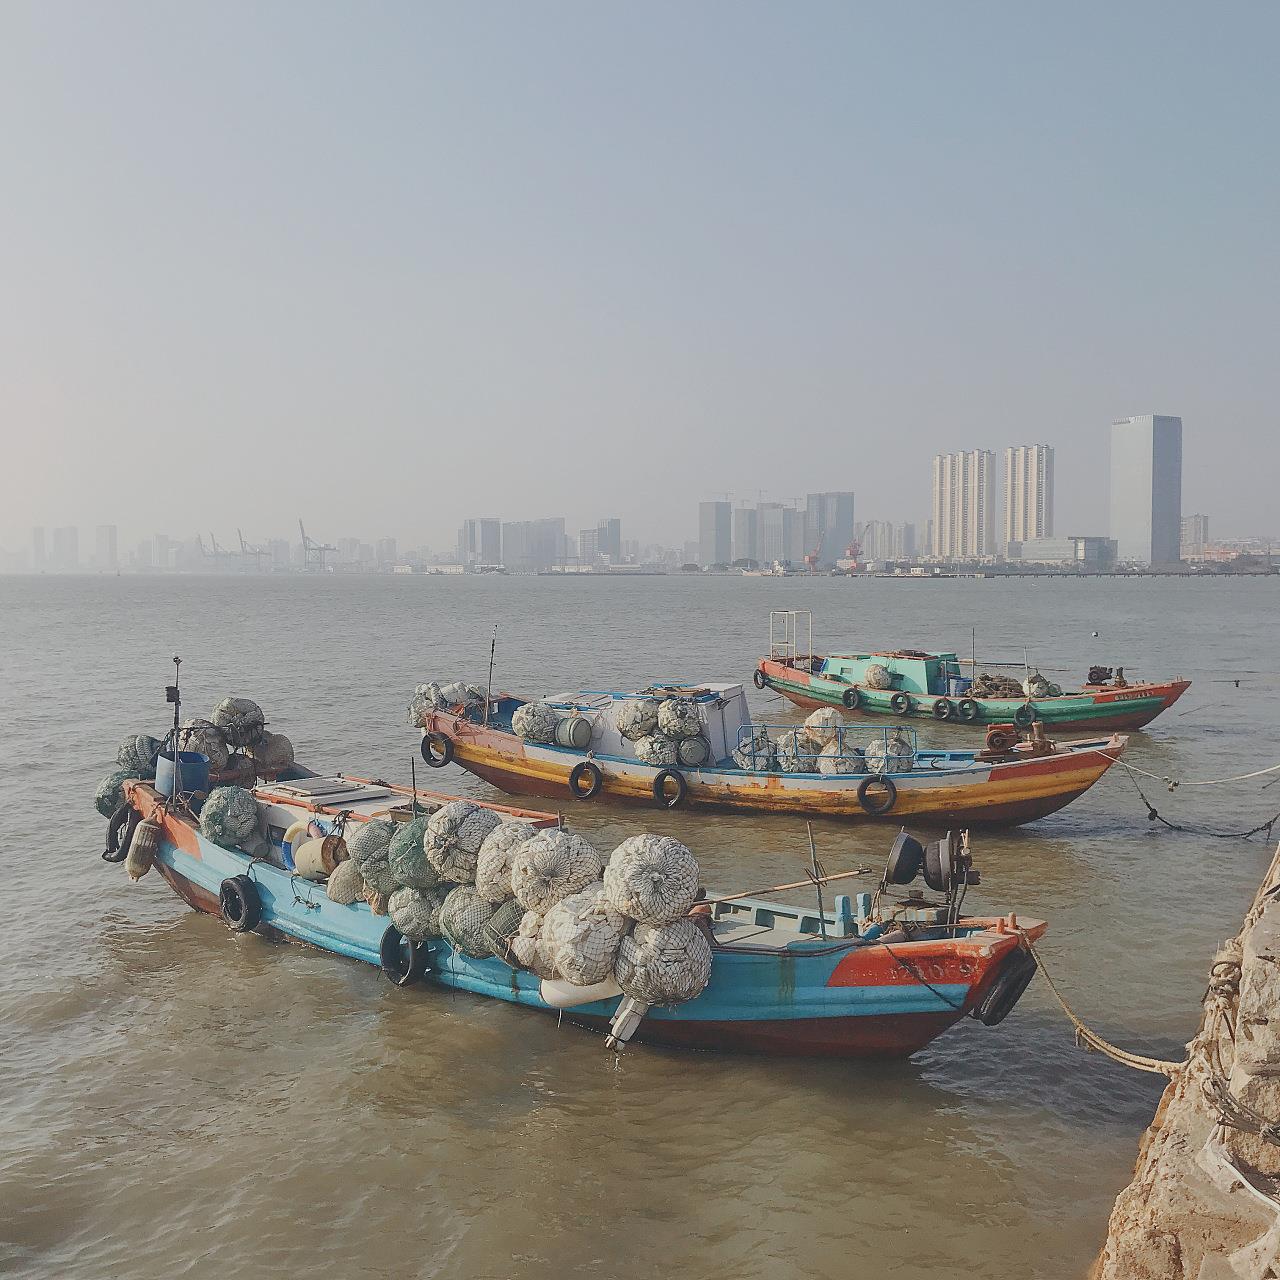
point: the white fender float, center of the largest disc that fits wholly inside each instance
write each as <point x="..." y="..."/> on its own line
<point x="560" y="994"/>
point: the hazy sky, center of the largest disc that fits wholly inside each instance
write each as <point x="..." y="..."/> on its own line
<point x="390" y="265"/>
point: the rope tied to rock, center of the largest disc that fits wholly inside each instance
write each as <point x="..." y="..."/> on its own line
<point x="1089" y="1040"/>
<point x="1235" y="1114"/>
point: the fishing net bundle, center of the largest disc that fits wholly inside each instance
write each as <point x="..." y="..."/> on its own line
<point x="1035" y="686"/>
<point x="416" y="912"/>
<point x="664" y="964"/>
<point x="241" y="721"/>
<point x="461" y="695"/>
<point x="345" y="884"/>
<point x="369" y="844"/>
<point x="463" y="918"/>
<point x="426" y="699"/>
<point x="651" y="879"/>
<point x="535" y="722"/>
<point x="503" y="927"/>
<point x="679" y="718"/>
<point x="877" y="676"/>
<point x="493" y="863"/>
<point x="407" y="859"/>
<point x="581" y="935"/>
<point x="229" y="816"/>
<point x="109" y="795"/>
<point x="239" y="771"/>
<point x="271" y="754"/>
<point x="692" y="752"/>
<point x="985" y="685"/>
<point x="755" y="752"/>
<point x="550" y="867"/>
<point x="823" y="725"/>
<point x="453" y="838"/>
<point x="636" y="718"/>
<point x="890" y="754"/>
<point x="205" y="737"/>
<point x="1054" y="690"/>
<point x="657" y="750"/>
<point x="797" y="752"/>
<point x="526" y="947"/>
<point x="835" y="758"/>
<point x="137" y="755"/>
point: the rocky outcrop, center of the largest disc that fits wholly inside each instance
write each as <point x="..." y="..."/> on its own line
<point x="1204" y="1203"/>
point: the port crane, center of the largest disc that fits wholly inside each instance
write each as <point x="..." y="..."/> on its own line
<point x="248" y="550"/>
<point x="313" y="552"/>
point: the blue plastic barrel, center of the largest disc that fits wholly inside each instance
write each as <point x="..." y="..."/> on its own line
<point x="960" y="685"/>
<point x="195" y="772"/>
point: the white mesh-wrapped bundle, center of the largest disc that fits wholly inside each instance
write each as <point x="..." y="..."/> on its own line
<point x="110" y="793"/>
<point x="823" y="725"/>
<point x="493" y="864"/>
<point x="426" y="699"/>
<point x="797" y="752"/>
<point x="241" y="721"/>
<point x="636" y="718"/>
<point x="877" y="677"/>
<point x="369" y="844"/>
<point x="459" y="694"/>
<point x="755" y="752"/>
<point x="679" y="718"/>
<point x="891" y="754"/>
<point x="416" y="912"/>
<point x="664" y="965"/>
<point x="229" y="816"/>
<point x="137" y="755"/>
<point x="345" y="884"/>
<point x="454" y="835"/>
<point x="205" y="737"/>
<point x="527" y="950"/>
<point x="835" y="759"/>
<point x="652" y="879"/>
<point x="693" y="752"/>
<point x="658" y="750"/>
<point x="535" y="722"/>
<point x="581" y="933"/>
<point x="463" y="919"/>
<point x="550" y="867"/>
<point x="1035" y="686"/>
<point x="272" y="753"/>
<point x="407" y="859"/>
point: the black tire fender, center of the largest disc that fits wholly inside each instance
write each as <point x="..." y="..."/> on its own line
<point x="885" y="802"/>
<point x="585" y="769"/>
<point x="437" y="750"/>
<point x="900" y="703"/>
<point x="1006" y="989"/>
<point x="239" y="904"/>
<point x="660" y="789"/>
<point x="403" y="962"/>
<point x="943" y="709"/>
<point x="851" y="697"/>
<point x="968" y="710"/>
<point x="124" y="822"/>
<point x="759" y="679"/>
<point x="1025" y="716"/>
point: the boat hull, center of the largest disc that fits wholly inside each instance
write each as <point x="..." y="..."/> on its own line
<point x="1091" y="710"/>
<point x="826" y="1000"/>
<point x="992" y="794"/>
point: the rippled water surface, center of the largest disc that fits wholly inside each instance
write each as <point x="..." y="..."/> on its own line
<point x="176" y="1101"/>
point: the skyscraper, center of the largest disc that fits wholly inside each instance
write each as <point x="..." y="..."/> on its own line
<point x="480" y="542"/>
<point x="1146" y="488"/>
<point x="105" y="556"/>
<point x="530" y="545"/>
<point x="66" y="549"/>
<point x="828" y="526"/>
<point x="1028" y="492"/>
<point x="609" y="539"/>
<point x="1195" y="534"/>
<point x="715" y="533"/>
<point x="746" y="545"/>
<point x="964" y="509"/>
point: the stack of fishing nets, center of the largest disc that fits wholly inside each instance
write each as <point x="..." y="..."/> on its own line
<point x="658" y="750"/>
<point x="436" y="697"/>
<point x="681" y="723"/>
<point x="453" y="837"/>
<point x="797" y="752"/>
<point x="407" y="859"/>
<point x="891" y="753"/>
<point x="755" y="752"/>
<point x="464" y="917"/>
<point x="369" y="844"/>
<point x="240" y="721"/>
<point x="206" y="738"/>
<point x="229" y="817"/>
<point x="535" y="722"/>
<point x="549" y="867"/>
<point x="493" y="863"/>
<point x="137" y="755"/>
<point x="416" y="912"/>
<point x="877" y="676"/>
<point x="986" y="685"/>
<point x="1036" y="686"/>
<point x="581" y="934"/>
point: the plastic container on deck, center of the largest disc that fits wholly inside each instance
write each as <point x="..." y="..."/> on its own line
<point x="960" y="685"/>
<point x="194" y="768"/>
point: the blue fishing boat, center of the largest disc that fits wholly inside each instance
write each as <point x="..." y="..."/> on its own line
<point x="874" y="977"/>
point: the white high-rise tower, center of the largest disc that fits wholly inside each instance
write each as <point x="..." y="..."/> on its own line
<point x="964" y="506"/>
<point x="1028" y="492"/>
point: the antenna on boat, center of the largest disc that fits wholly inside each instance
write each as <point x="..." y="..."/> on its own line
<point x="413" y="782"/>
<point x="488" y="690"/>
<point x="816" y="875"/>
<point x="174" y="695"/>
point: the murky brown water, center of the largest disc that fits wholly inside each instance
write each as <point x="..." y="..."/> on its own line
<point x="177" y="1101"/>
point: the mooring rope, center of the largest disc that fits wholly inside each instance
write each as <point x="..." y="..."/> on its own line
<point x="1174" y="783"/>
<point x="1154" y="815"/>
